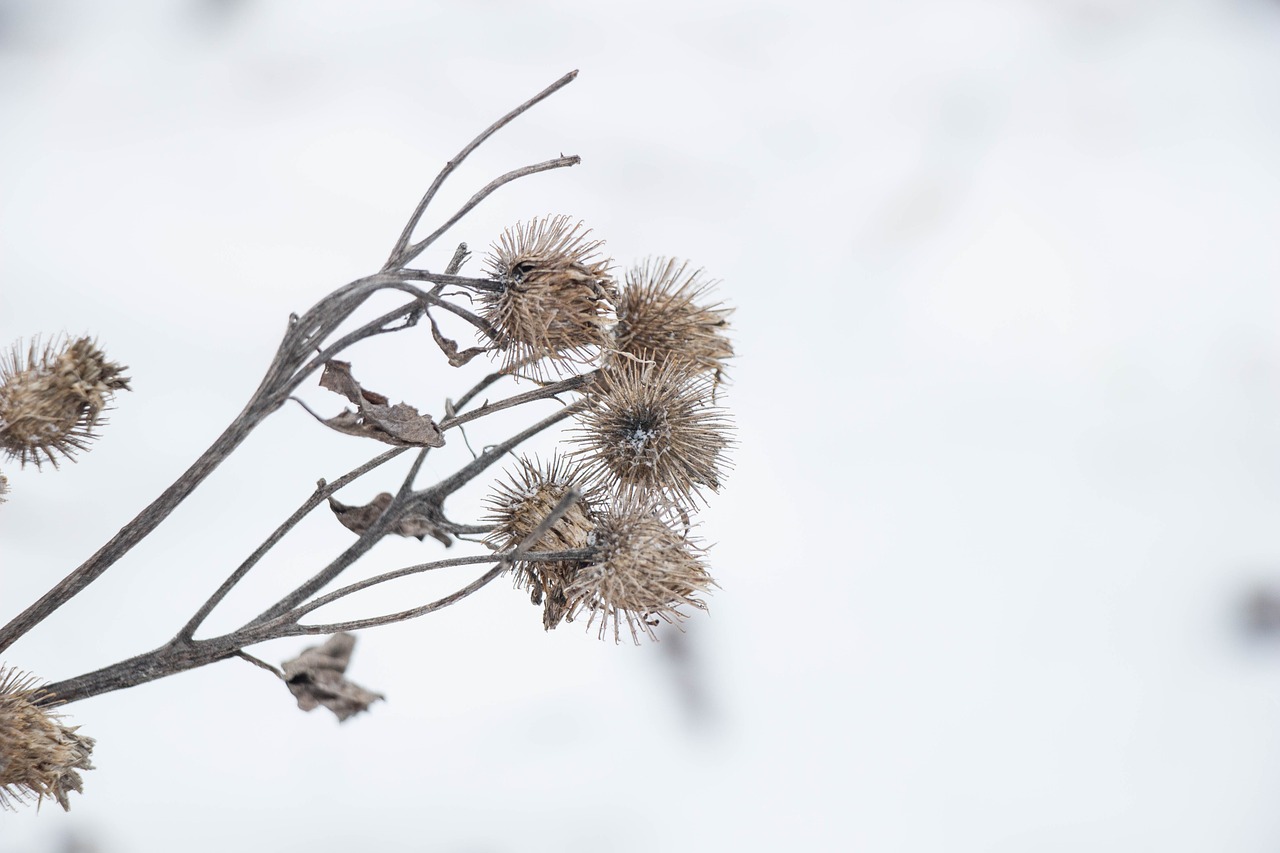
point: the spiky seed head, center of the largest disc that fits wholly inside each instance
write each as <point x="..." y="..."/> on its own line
<point x="518" y="506"/>
<point x="645" y="568"/>
<point x="52" y="398"/>
<point x="4" y="487"/>
<point x="39" y="756"/>
<point x="653" y="428"/>
<point x="665" y="312"/>
<point x="555" y="304"/>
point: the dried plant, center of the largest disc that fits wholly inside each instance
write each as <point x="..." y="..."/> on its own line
<point x="653" y="428"/>
<point x="52" y="398"/>
<point x="642" y="568"/>
<point x="664" y="314"/>
<point x="39" y="756"/>
<point x="519" y="506"/>
<point x="554" y="300"/>
<point x="601" y="529"/>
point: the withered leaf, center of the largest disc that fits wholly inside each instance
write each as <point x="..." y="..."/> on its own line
<point x="358" y="519"/>
<point x="400" y="425"/>
<point x="450" y="347"/>
<point x="315" y="678"/>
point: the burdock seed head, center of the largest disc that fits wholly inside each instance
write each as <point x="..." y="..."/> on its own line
<point x="644" y="569"/>
<point x="665" y="313"/>
<point x="650" y="428"/>
<point x="555" y="301"/>
<point x="39" y="756"/>
<point x="52" y="398"/>
<point x="518" y="506"/>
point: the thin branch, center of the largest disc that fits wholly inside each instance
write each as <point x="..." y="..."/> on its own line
<point x="570" y="384"/>
<point x="485" y="383"/>
<point x="468" y="529"/>
<point x="430" y="500"/>
<point x="297" y="613"/>
<point x="260" y="663"/>
<point x="370" y="537"/>
<point x="167" y="660"/>
<point x="407" y="485"/>
<point x="473" y="469"/>
<point x="486" y="285"/>
<point x="394" y="259"/>
<point x="310" y="411"/>
<point x="323" y="490"/>
<point x="417" y="248"/>
<point x="504" y="561"/>
<point x="459" y="258"/>
<point x="259" y="406"/>
<point x="357" y="624"/>
<point x="281" y="378"/>
<point x="374" y="327"/>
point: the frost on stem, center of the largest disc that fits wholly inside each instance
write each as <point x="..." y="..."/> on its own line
<point x="518" y="506"/>
<point x="39" y="756"/>
<point x="643" y="570"/>
<point x="653" y="428"/>
<point x="665" y="314"/>
<point x="52" y="399"/>
<point x="555" y="301"/>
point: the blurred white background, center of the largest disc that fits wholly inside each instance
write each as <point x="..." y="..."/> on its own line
<point x="1008" y="404"/>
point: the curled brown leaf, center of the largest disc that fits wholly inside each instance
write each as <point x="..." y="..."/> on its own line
<point x="400" y="425"/>
<point x="358" y="519"/>
<point x="316" y="678"/>
<point x="450" y="347"/>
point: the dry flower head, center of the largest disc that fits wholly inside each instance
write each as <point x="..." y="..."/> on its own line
<point x="555" y="301"/>
<point x="653" y="428"/>
<point x="665" y="313"/>
<point x="518" y="506"/>
<point x="39" y="756"/>
<point x="644" y="569"/>
<point x="52" y="398"/>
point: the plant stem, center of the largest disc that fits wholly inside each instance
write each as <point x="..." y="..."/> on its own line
<point x="396" y="259"/>
<point x="142" y="524"/>
<point x="323" y="490"/>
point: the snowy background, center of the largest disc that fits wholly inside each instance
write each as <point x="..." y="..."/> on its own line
<point x="1008" y="404"/>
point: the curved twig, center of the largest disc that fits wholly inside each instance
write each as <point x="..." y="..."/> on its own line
<point x="395" y="259"/>
<point x="288" y="624"/>
<point x="546" y="392"/>
<point x="515" y="174"/>
<point x="322" y="491"/>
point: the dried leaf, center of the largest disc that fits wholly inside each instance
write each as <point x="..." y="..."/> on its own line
<point x="315" y="678"/>
<point x="358" y="519"/>
<point x="450" y="347"/>
<point x="400" y="425"/>
<point x="337" y="378"/>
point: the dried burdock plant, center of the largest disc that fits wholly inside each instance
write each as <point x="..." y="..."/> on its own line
<point x="644" y="567"/>
<point x="601" y="529"/>
<point x="52" y="398"/>
<point x="39" y="756"/>
<point x="653" y="428"/>
<point x="665" y="313"/>
<point x="554" y="302"/>
<point x="518" y="506"/>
